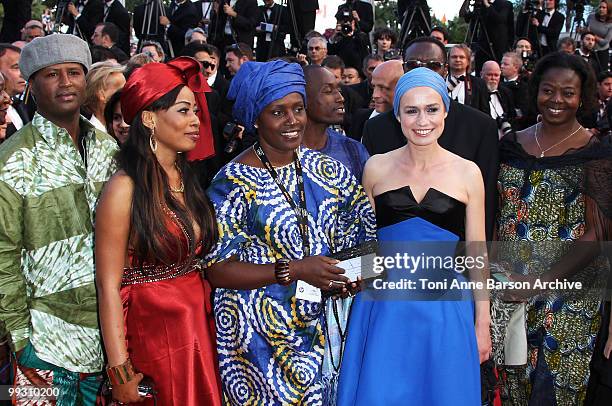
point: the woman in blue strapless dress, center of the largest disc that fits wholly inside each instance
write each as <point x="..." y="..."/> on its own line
<point x="420" y="347"/>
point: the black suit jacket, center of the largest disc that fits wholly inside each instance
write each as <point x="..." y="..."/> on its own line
<point x="524" y="28"/>
<point x="119" y="16"/>
<point x="16" y="14"/>
<point x="555" y="25"/>
<point x="243" y="25"/>
<point x="505" y="99"/>
<point x="186" y="16"/>
<point x="366" y="15"/>
<point x="281" y="19"/>
<point x="85" y="25"/>
<point x="364" y="90"/>
<point x="468" y="133"/>
<point x="479" y="99"/>
<point x="358" y="121"/>
<point x="307" y="5"/>
<point x="26" y="113"/>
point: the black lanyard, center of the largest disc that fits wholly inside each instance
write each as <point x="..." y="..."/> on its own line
<point x="301" y="212"/>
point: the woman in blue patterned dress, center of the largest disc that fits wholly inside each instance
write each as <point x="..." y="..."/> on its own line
<point x="280" y="209"/>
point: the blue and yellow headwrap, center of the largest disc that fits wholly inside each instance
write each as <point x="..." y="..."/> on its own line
<point x="420" y="77"/>
<point x="258" y="84"/>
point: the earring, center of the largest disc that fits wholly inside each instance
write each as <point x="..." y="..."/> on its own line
<point x="152" y="141"/>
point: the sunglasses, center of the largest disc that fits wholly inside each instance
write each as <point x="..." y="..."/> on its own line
<point x="413" y="64"/>
<point x="206" y="65"/>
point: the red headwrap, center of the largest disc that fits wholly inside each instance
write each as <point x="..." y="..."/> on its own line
<point x="154" y="80"/>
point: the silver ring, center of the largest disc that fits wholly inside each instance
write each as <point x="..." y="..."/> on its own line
<point x="331" y="283"/>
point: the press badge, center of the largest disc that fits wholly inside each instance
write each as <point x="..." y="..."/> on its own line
<point x="304" y="291"/>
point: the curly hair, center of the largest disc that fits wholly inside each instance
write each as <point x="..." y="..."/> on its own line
<point x="562" y="60"/>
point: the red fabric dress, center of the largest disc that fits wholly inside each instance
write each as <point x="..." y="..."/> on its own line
<point x="170" y="329"/>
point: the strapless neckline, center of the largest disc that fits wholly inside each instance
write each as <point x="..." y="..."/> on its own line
<point x="425" y="196"/>
<point x="436" y="207"/>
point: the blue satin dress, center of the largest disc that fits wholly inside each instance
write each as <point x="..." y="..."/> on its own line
<point x="413" y="347"/>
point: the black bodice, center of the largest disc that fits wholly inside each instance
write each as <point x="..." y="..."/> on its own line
<point x="438" y="208"/>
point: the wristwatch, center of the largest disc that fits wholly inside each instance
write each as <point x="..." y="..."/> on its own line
<point x="281" y="271"/>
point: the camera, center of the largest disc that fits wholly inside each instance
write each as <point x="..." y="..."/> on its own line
<point x="603" y="126"/>
<point x="230" y="132"/>
<point x="530" y="6"/>
<point x="529" y="61"/>
<point x="344" y="17"/>
<point x="503" y="125"/>
<point x="393" y="54"/>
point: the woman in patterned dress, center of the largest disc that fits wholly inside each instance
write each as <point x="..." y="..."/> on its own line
<point x="550" y="208"/>
<point x="270" y="342"/>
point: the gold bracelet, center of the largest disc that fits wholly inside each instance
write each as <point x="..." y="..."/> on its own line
<point x="121" y="374"/>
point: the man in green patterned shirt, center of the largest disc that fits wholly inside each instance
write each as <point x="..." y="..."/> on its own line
<point x="51" y="173"/>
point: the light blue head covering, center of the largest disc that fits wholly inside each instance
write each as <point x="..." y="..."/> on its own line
<point x="420" y="77"/>
<point x="258" y="84"/>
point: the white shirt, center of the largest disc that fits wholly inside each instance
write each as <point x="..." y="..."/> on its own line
<point x="458" y="93"/>
<point x="228" y="25"/>
<point x="495" y="105"/>
<point x="212" y="79"/>
<point x="545" y="24"/>
<point x="97" y="123"/>
<point x="15" y="118"/>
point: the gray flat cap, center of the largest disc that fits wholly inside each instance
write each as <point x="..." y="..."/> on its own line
<point x="52" y="50"/>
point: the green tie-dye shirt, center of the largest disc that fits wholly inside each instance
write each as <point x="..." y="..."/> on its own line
<point x="48" y="195"/>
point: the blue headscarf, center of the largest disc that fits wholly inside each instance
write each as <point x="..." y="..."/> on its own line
<point x="420" y="77"/>
<point x="258" y="84"/>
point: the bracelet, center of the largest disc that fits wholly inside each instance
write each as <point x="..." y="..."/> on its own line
<point x="121" y="374"/>
<point x="281" y="272"/>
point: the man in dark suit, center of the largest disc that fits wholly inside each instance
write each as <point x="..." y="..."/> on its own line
<point x="115" y="12"/>
<point x="361" y="11"/>
<point x="180" y="16"/>
<point x="498" y="19"/>
<point x="549" y="25"/>
<point x="272" y="27"/>
<point x="587" y="52"/>
<point x="468" y="132"/>
<point x="233" y="22"/>
<point x="463" y="87"/>
<point x="512" y="80"/>
<point x="500" y="98"/>
<point x="84" y="16"/>
<point x="525" y="27"/>
<point x="18" y="114"/>
<point x="16" y="14"/>
<point x="107" y="35"/>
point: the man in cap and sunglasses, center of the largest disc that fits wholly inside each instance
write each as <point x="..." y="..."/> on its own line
<point x="468" y="132"/>
<point x="51" y="173"/>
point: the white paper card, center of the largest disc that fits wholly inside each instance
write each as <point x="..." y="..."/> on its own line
<point x="352" y="268"/>
<point x="308" y="292"/>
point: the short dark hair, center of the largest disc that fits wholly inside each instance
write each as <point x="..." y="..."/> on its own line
<point x="333" y="62"/>
<point x="441" y="30"/>
<point x="383" y="32"/>
<point x="111" y="30"/>
<point x="563" y="60"/>
<point x="6" y="47"/>
<point x="566" y="40"/>
<point x="603" y="76"/>
<point x="521" y="39"/>
<point x="240" y="49"/>
<point x="430" y="40"/>
<point x="585" y="33"/>
<point x="193" y="48"/>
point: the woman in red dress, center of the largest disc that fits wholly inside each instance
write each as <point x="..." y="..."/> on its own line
<point x="153" y="223"/>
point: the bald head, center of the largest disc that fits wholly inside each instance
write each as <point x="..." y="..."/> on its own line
<point x="491" y="74"/>
<point x="384" y="79"/>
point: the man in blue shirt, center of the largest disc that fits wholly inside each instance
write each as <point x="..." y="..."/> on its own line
<point x="325" y="108"/>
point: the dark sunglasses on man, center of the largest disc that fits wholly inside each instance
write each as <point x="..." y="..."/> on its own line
<point x="206" y="65"/>
<point x="411" y="64"/>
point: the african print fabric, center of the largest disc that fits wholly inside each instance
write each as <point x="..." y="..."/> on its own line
<point x="540" y="202"/>
<point x="270" y="344"/>
<point x="48" y="195"/>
